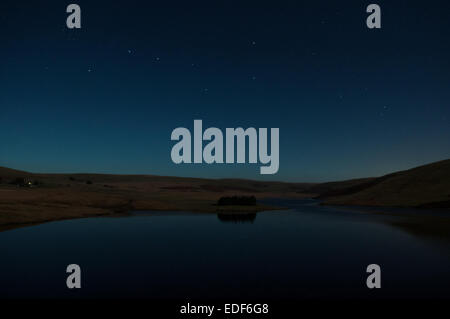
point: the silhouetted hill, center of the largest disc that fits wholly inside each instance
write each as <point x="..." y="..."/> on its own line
<point x="423" y="186"/>
<point x="11" y="173"/>
<point x="340" y="188"/>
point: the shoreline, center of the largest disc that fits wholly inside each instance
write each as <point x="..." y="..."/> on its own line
<point x="112" y="213"/>
<point x="45" y="211"/>
<point x="21" y="207"/>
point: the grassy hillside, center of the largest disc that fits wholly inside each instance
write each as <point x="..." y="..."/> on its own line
<point x="424" y="186"/>
<point x="35" y="198"/>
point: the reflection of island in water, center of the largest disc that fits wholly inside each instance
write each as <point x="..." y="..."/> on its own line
<point x="236" y="218"/>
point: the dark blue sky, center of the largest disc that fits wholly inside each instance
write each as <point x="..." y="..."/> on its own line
<point x="349" y="101"/>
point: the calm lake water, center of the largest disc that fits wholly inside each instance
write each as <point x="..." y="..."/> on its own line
<point x="307" y="251"/>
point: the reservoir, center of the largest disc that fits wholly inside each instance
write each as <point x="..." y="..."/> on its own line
<point x="305" y="251"/>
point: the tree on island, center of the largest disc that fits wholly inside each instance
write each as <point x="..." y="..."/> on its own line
<point x="237" y="200"/>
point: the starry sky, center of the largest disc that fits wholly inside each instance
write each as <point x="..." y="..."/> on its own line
<point x="349" y="101"/>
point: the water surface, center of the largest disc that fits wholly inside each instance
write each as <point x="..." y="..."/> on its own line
<point x="306" y="251"/>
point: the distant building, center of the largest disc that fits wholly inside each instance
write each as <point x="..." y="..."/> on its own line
<point x="24" y="182"/>
<point x="28" y="182"/>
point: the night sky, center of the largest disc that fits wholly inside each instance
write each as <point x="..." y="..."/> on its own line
<point x="349" y="101"/>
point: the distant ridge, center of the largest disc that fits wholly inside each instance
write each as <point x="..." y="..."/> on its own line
<point x="11" y="173"/>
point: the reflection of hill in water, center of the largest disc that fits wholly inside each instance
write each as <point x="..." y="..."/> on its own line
<point x="237" y="217"/>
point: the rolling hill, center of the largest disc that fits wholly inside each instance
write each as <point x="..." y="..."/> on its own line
<point x="423" y="186"/>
